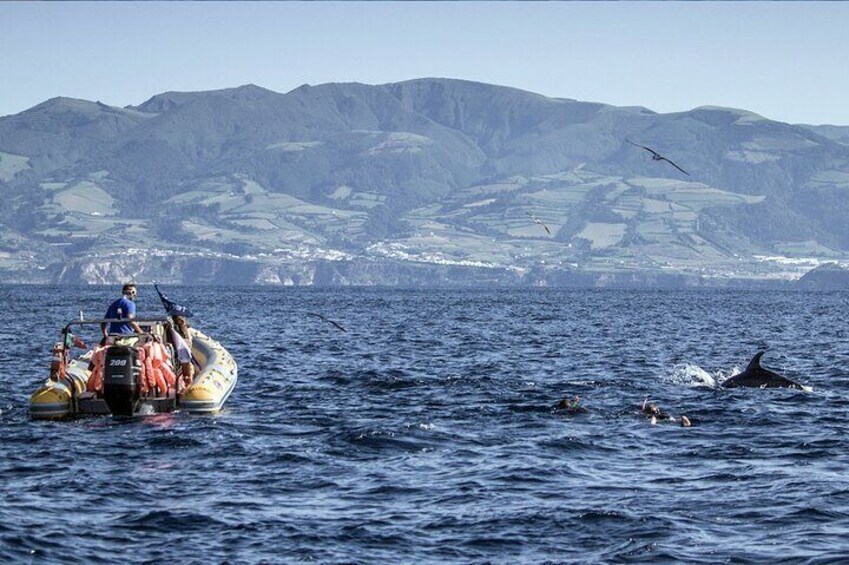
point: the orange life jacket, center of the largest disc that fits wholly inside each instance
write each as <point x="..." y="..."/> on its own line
<point x="95" y="381"/>
<point x="146" y="380"/>
<point x="57" y="364"/>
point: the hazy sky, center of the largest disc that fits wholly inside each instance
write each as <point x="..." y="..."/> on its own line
<point x="788" y="61"/>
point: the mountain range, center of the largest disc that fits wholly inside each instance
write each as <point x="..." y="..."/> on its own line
<point x="423" y="182"/>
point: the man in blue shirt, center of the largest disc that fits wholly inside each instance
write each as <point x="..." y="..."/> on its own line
<point x="122" y="309"/>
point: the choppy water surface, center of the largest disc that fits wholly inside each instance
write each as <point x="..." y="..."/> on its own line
<point x="427" y="432"/>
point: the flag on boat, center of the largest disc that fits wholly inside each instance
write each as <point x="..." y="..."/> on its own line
<point x="71" y="339"/>
<point x="172" y="308"/>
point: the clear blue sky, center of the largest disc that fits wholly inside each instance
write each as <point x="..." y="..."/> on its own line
<point x="788" y="61"/>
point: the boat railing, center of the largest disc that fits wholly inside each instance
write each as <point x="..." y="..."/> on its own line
<point x="93" y="322"/>
<point x="163" y="320"/>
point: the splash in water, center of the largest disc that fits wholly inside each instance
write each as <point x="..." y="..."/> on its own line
<point x="693" y="375"/>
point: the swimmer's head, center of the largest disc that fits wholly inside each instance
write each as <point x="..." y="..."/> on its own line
<point x="651" y="409"/>
<point x="572" y="404"/>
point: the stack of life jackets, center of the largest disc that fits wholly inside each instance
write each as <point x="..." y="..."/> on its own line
<point x="156" y="369"/>
<point x="155" y="372"/>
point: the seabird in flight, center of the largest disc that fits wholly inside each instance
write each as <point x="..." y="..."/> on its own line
<point x="328" y="321"/>
<point x="657" y="156"/>
<point x="540" y="222"/>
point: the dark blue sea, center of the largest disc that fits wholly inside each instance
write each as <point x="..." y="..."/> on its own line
<point x="429" y="433"/>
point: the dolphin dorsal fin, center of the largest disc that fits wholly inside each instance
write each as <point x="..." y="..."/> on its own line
<point x="755" y="363"/>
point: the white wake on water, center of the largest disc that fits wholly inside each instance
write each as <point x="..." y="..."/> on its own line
<point x="693" y="375"/>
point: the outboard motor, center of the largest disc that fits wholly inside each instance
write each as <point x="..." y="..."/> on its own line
<point x="121" y="380"/>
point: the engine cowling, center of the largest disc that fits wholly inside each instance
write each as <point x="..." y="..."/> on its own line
<point x="121" y="380"/>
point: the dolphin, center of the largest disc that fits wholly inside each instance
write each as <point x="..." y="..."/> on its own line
<point x="756" y="376"/>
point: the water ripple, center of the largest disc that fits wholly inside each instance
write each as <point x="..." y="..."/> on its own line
<point x="430" y="432"/>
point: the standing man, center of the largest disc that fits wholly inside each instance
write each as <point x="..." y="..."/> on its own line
<point x="122" y="309"/>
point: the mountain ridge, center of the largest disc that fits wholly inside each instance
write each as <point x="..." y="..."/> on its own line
<point x="425" y="171"/>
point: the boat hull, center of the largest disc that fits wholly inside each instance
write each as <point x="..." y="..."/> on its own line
<point x="213" y="384"/>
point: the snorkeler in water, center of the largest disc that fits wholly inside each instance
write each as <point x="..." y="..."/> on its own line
<point x="652" y="411"/>
<point x="572" y="405"/>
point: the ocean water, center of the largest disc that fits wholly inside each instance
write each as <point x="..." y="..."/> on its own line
<point x="428" y="432"/>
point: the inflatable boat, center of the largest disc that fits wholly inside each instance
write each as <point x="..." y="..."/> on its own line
<point x="134" y="374"/>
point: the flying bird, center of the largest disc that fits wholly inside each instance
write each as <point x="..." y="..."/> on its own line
<point x="657" y="156"/>
<point x="327" y="320"/>
<point x="540" y="222"/>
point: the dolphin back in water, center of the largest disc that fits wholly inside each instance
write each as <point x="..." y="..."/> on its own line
<point x="756" y="376"/>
